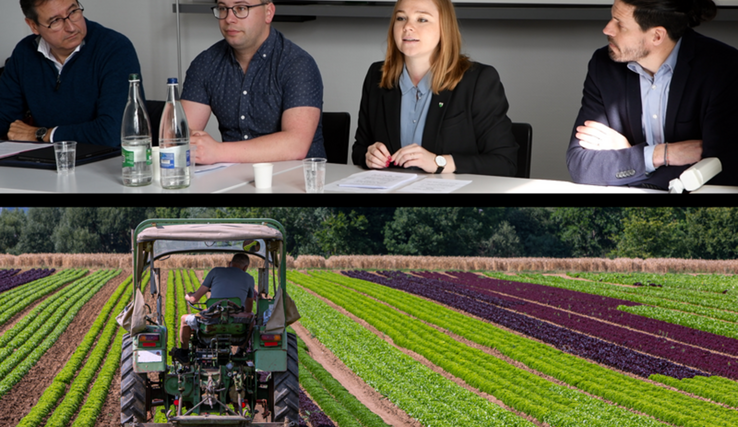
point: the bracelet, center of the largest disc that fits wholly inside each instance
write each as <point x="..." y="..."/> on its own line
<point x="666" y="159"/>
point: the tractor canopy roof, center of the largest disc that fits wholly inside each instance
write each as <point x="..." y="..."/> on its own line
<point x="157" y="238"/>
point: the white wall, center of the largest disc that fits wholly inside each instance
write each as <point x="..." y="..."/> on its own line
<point x="542" y="64"/>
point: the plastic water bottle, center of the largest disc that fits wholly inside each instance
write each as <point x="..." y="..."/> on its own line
<point x="174" y="141"/>
<point x="135" y="137"/>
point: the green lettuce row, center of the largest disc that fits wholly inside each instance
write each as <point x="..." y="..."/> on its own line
<point x="516" y="387"/>
<point x="79" y="388"/>
<point x="421" y="393"/>
<point x="337" y="413"/>
<point x="702" y="282"/>
<point x="331" y="396"/>
<point x="23" y="290"/>
<point x="597" y="380"/>
<point x="87" y="416"/>
<point x="11" y="306"/>
<point x="706" y="303"/>
<point x="182" y="307"/>
<point x="195" y="281"/>
<point x="706" y="324"/>
<point x="58" y="388"/>
<point x="615" y="291"/>
<point x="718" y="389"/>
<point x="38" y="319"/>
<point x="186" y="280"/>
<point x="15" y="367"/>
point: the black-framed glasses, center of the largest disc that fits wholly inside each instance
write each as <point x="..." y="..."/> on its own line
<point x="239" y="11"/>
<point x="75" y="15"/>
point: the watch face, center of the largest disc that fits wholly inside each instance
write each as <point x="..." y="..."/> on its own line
<point x="41" y="132"/>
<point x="440" y="161"/>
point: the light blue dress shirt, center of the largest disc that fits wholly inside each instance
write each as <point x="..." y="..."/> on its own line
<point x="654" y="99"/>
<point x="414" y="108"/>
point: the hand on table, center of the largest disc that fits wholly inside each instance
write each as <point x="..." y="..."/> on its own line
<point x="596" y="136"/>
<point x="20" y="131"/>
<point x="415" y="155"/>
<point x="207" y="147"/>
<point x="377" y="156"/>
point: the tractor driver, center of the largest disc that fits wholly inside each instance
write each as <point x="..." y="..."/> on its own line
<point x="222" y="282"/>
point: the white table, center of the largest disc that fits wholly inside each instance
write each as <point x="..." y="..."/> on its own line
<point x="105" y="177"/>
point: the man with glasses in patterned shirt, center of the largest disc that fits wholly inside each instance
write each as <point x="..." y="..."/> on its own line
<point x="265" y="91"/>
<point x="67" y="81"/>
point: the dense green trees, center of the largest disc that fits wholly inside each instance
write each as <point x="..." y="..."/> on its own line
<point x="695" y="232"/>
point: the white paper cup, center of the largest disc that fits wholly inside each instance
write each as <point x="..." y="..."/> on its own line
<point x="314" y="171"/>
<point x="263" y="175"/>
<point x="66" y="155"/>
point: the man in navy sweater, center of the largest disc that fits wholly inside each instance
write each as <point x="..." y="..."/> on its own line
<point x="68" y="81"/>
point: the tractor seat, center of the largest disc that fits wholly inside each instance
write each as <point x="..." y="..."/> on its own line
<point x="218" y="322"/>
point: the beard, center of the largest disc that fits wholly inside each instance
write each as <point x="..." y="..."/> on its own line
<point x="630" y="54"/>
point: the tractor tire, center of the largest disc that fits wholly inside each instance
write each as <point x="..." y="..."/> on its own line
<point x="132" y="387"/>
<point x="287" y="386"/>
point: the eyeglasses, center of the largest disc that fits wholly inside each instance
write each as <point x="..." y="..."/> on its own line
<point x="239" y="11"/>
<point x="56" y="24"/>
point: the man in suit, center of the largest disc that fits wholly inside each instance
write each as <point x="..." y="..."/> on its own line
<point x="659" y="98"/>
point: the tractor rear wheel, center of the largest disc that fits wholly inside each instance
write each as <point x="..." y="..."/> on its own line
<point x="287" y="386"/>
<point x="132" y="387"/>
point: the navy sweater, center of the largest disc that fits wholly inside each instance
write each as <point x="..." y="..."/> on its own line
<point x="86" y="101"/>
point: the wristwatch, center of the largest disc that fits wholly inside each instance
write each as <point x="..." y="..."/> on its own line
<point x="40" y="134"/>
<point x="441" y="163"/>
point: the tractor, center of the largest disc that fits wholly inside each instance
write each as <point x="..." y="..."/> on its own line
<point x="238" y="366"/>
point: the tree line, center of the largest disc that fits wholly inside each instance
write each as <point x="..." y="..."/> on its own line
<point x="668" y="232"/>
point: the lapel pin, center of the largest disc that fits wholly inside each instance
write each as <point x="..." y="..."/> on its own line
<point x="440" y="104"/>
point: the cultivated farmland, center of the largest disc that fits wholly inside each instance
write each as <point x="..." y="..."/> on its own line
<point x="412" y="347"/>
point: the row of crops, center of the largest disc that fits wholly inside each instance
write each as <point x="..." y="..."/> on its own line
<point x="80" y="388"/>
<point x="612" y="349"/>
<point x="563" y="382"/>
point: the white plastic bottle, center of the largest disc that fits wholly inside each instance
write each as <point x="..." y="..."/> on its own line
<point x="135" y="138"/>
<point x="174" y="141"/>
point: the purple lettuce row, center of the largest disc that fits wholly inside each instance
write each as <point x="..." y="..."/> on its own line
<point x="7" y="273"/>
<point x="564" y="339"/>
<point x="315" y="415"/>
<point x="590" y="305"/>
<point x="12" y="281"/>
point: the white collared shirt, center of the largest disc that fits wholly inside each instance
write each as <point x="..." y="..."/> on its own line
<point x="45" y="50"/>
<point x="654" y="99"/>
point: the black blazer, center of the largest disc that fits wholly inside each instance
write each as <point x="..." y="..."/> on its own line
<point x="469" y="122"/>
<point x="703" y="104"/>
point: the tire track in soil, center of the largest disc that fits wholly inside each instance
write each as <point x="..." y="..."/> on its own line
<point x="23" y="396"/>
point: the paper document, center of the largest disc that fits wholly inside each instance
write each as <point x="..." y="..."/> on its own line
<point x="209" y="168"/>
<point x="380" y="180"/>
<point x="9" y="148"/>
<point x="431" y="185"/>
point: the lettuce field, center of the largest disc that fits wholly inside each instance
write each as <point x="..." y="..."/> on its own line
<point x="411" y="347"/>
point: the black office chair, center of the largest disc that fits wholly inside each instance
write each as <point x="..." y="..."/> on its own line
<point x="155" y="108"/>
<point x="523" y="133"/>
<point x="336" y="128"/>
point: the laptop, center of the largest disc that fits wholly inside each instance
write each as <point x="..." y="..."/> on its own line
<point x="44" y="158"/>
